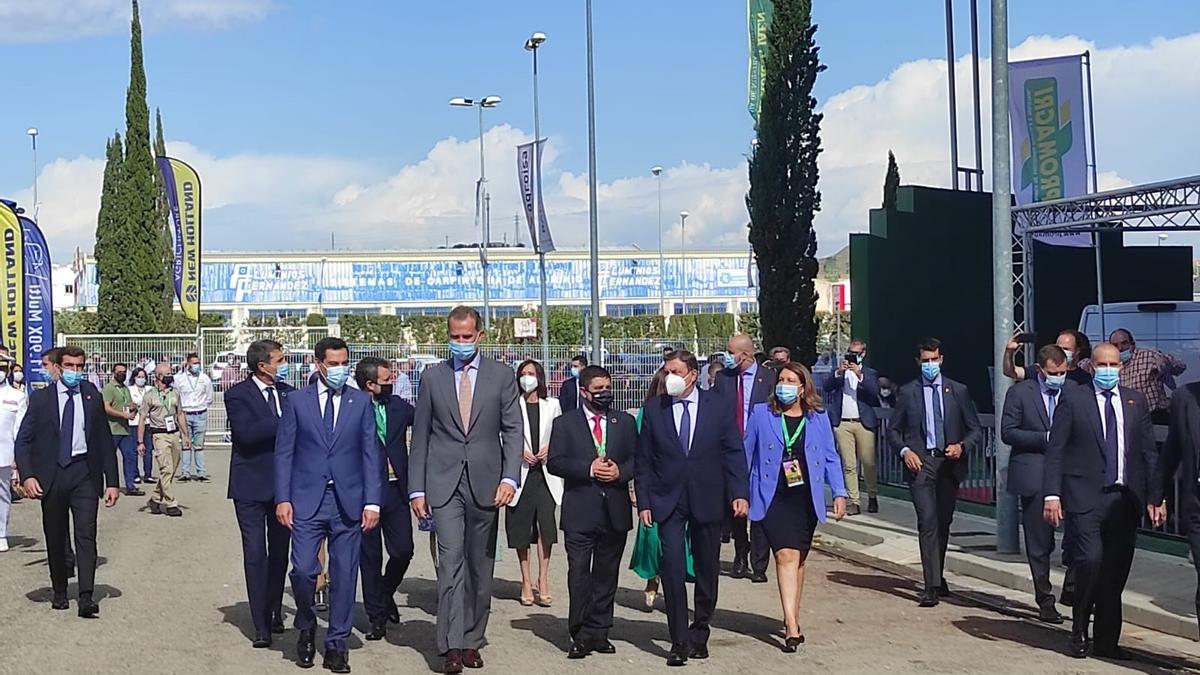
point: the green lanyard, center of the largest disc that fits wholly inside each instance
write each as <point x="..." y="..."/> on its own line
<point x="789" y="440"/>
<point x="381" y="421"/>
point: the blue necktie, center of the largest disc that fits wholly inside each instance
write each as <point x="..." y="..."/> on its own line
<point x="329" y="412"/>
<point x="939" y="420"/>
<point x="66" y="435"/>
<point x="1110" y="439"/>
<point x="685" y="429"/>
<point x="1052" y="403"/>
<point x="271" y="403"/>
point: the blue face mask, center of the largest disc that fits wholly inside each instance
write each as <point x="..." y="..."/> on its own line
<point x="787" y="393"/>
<point x="1055" y="381"/>
<point x="574" y="372"/>
<point x="335" y="376"/>
<point x="463" y="351"/>
<point x="1107" y="377"/>
<point x="1070" y="356"/>
<point x="1126" y="355"/>
<point x="931" y="370"/>
<point x="281" y="372"/>
<point x="729" y="361"/>
<point x="72" y="378"/>
<point x="195" y="368"/>
<point x="47" y="376"/>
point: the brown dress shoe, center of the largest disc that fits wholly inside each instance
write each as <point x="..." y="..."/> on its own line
<point x="471" y="658"/>
<point x="454" y="662"/>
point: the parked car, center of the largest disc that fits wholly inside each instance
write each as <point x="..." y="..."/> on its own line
<point x="1168" y="326"/>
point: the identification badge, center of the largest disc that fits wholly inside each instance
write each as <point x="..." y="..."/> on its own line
<point x="791" y="471"/>
<point x="170" y="422"/>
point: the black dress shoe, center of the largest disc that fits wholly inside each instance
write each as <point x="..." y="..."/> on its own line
<point x="378" y="631"/>
<point x="698" y="652"/>
<point x="790" y="645"/>
<point x="1067" y="598"/>
<point x="262" y="642"/>
<point x="1077" y="646"/>
<point x="184" y="479"/>
<point x="1049" y="614"/>
<point x="872" y="505"/>
<point x="758" y="578"/>
<point x="853" y="510"/>
<point x="739" y="569"/>
<point x="60" y="602"/>
<point x="134" y="492"/>
<point x="453" y="662"/>
<point x="1114" y="653"/>
<point x="677" y="657"/>
<point x="928" y="599"/>
<point x="578" y="651"/>
<point x="173" y="511"/>
<point x="87" y="607"/>
<point x="277" y="624"/>
<point x="471" y="658"/>
<point x="943" y="591"/>
<point x="306" y="648"/>
<point x="393" y="612"/>
<point x="154" y="507"/>
<point x="337" y="662"/>
<point x="604" y="647"/>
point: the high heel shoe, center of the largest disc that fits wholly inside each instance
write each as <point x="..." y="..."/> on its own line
<point x="791" y="644"/>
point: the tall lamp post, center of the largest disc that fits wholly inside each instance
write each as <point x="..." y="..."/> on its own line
<point x="33" y="134"/>
<point x="485" y="102"/>
<point x="531" y="45"/>
<point x="662" y="290"/>
<point x="593" y="225"/>
<point x="683" y="215"/>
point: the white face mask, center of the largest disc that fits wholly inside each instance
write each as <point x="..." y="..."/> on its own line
<point x="675" y="385"/>
<point x="528" y="383"/>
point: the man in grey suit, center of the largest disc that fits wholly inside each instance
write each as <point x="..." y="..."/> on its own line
<point x="464" y="466"/>
<point x="1025" y="425"/>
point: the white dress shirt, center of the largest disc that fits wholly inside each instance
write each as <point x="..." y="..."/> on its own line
<point x="195" y="391"/>
<point x="322" y="394"/>
<point x="1101" y="400"/>
<point x="262" y="389"/>
<point x="591" y="424"/>
<point x="850" y="395"/>
<point x="677" y="409"/>
<point x="79" y="437"/>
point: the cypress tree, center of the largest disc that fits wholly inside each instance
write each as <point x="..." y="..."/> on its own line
<point x="783" y="195"/>
<point x="112" y="274"/>
<point x="891" y="182"/>
<point x="163" y="219"/>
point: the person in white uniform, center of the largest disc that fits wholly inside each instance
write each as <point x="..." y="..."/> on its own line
<point x="12" y="410"/>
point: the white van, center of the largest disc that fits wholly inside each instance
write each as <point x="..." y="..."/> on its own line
<point x="1169" y="326"/>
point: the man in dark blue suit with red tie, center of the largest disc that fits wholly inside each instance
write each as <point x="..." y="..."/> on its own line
<point x="253" y="407"/>
<point x="393" y="417"/>
<point x="690" y="457"/>
<point x="328" y="485"/>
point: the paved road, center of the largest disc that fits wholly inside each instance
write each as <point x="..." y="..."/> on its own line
<point x="172" y="599"/>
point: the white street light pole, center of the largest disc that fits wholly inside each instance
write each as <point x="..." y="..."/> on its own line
<point x="532" y="45"/>
<point x="683" y="215"/>
<point x="33" y="134"/>
<point x="593" y="225"/>
<point x="485" y="102"/>
<point x="662" y="290"/>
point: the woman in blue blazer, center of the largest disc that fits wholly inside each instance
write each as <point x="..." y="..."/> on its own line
<point x="792" y="457"/>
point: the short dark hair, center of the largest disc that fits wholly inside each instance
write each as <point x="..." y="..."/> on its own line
<point x="1083" y="346"/>
<point x="53" y="355"/>
<point x="590" y="373"/>
<point x="260" y="352"/>
<point x="367" y="370"/>
<point x="327" y="344"/>
<point x="581" y="358"/>
<point x="929" y="344"/>
<point x="120" y="365"/>
<point x="1051" y="354"/>
<point x="465" y="312"/>
<point x="70" y="350"/>
<point x="190" y="356"/>
<point x="688" y="358"/>
<point x="781" y="349"/>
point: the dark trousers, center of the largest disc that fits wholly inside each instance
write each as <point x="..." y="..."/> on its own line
<point x="1039" y="544"/>
<point x="344" y="532"/>
<point x="71" y="496"/>
<point x="706" y="551"/>
<point x="1104" y="543"/>
<point x="265" y="559"/>
<point x="749" y="543"/>
<point x="934" y="493"/>
<point x="379" y="583"/>
<point x="1191" y="520"/>
<point x="593" y="565"/>
<point x="147" y="458"/>
<point x="127" y="446"/>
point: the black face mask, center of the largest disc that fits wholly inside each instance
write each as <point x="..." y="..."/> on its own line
<point x="385" y="392"/>
<point x="601" y="401"/>
<point x="119" y="378"/>
<point x="167" y="380"/>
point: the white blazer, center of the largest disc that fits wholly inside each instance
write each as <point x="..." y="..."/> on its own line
<point x="549" y="410"/>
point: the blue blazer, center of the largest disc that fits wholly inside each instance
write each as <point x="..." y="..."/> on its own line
<point x="252" y="428"/>
<point x="764" y="453"/>
<point x="867" y="395"/>
<point x="712" y="474"/>
<point x="306" y="458"/>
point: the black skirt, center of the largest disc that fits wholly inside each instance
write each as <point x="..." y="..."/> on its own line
<point x="532" y="519"/>
<point x="791" y="521"/>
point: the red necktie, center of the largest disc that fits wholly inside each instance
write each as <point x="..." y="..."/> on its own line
<point x="741" y="406"/>
<point x="597" y="432"/>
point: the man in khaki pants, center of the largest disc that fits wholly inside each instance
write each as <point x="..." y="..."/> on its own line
<point x="161" y="414"/>
<point x="851" y="396"/>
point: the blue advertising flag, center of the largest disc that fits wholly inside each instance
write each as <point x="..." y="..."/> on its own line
<point x="39" y="301"/>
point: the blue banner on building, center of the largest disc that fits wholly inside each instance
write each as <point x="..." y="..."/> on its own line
<point x="39" y="300"/>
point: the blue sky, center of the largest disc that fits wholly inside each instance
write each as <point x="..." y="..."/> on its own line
<point x="358" y="90"/>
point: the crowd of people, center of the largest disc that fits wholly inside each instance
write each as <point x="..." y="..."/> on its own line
<point x="324" y="479"/>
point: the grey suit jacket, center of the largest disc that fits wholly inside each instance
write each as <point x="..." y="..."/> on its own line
<point x="488" y="447"/>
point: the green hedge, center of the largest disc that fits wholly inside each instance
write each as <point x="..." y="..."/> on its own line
<point x="81" y="322"/>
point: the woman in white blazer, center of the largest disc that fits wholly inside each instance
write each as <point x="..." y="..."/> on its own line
<point x="530" y="517"/>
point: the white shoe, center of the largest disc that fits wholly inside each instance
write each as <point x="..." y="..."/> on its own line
<point x="3" y="544"/>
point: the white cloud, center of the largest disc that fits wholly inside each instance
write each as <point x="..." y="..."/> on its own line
<point x="54" y="20"/>
<point x="1144" y="98"/>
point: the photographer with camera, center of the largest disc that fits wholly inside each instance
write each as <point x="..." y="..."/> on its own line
<point x="851" y="396"/>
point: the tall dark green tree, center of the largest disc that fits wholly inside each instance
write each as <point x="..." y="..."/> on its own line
<point x="111" y="273"/>
<point x="134" y="301"/>
<point x="162" y="210"/>
<point x="891" y="182"/>
<point x="783" y="194"/>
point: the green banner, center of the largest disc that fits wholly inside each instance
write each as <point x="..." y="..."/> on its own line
<point x="759" y="14"/>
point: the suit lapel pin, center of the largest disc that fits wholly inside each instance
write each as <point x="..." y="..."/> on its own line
<point x="612" y="420"/>
<point x="947" y="390"/>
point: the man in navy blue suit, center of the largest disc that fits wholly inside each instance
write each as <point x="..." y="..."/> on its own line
<point x="328" y="485"/>
<point x="393" y="417"/>
<point x="253" y="407"/>
<point x="690" y="457"/>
